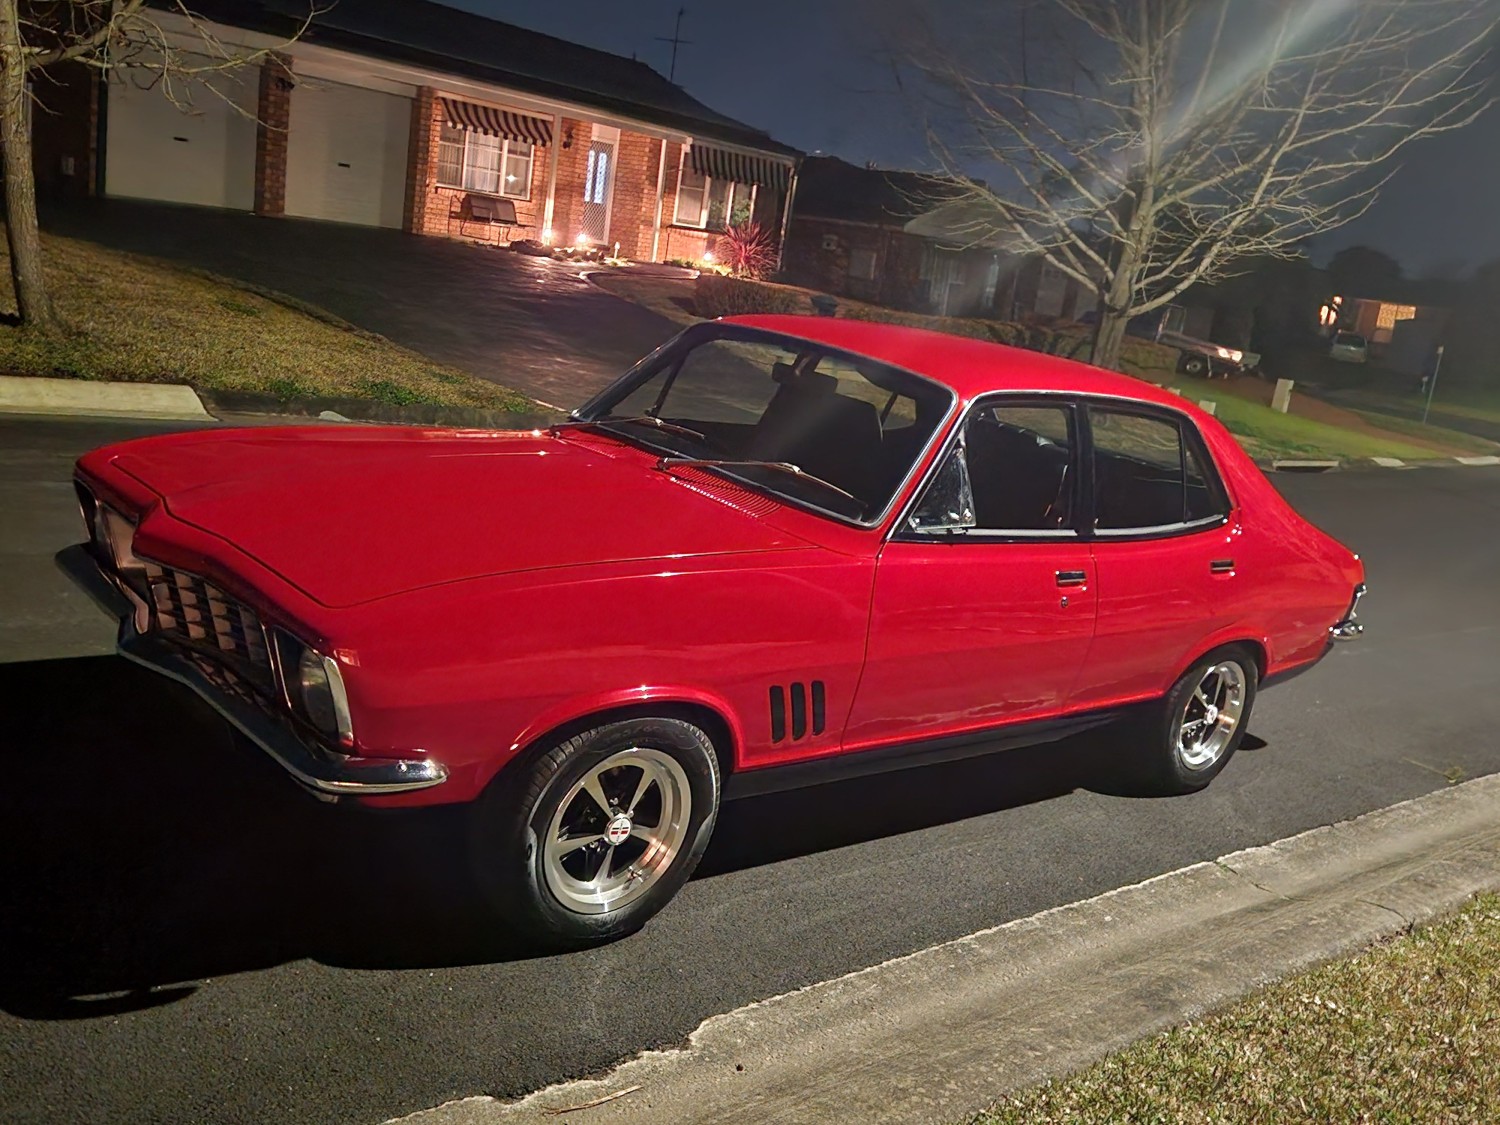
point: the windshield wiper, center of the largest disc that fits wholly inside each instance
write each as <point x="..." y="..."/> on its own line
<point x="780" y="466"/>
<point x="649" y="419"/>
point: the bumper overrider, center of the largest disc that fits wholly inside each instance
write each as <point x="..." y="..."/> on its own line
<point x="1347" y="628"/>
<point x="324" y="771"/>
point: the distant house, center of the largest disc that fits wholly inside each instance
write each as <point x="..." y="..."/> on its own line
<point x="1403" y="326"/>
<point x="848" y="236"/>
<point x="901" y="239"/>
<point x="412" y="115"/>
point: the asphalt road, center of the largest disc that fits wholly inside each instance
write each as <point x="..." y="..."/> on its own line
<point x="188" y="939"/>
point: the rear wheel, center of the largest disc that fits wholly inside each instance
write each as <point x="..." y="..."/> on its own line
<point x="1201" y="722"/>
<point x="597" y="833"/>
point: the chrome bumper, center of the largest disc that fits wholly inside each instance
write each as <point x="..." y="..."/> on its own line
<point x="1348" y="628"/>
<point x="325" y="773"/>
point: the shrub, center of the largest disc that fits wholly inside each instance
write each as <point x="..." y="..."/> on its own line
<point x="748" y="250"/>
<point x="715" y="295"/>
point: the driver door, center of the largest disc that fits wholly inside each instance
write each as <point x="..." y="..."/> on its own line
<point x="985" y="597"/>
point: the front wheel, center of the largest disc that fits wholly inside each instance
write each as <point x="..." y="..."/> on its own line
<point x="1201" y="722"/>
<point x="591" y="837"/>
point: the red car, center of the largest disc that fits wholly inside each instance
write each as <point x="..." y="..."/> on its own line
<point x="779" y="550"/>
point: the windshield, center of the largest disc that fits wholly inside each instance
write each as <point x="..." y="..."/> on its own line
<point x="757" y="405"/>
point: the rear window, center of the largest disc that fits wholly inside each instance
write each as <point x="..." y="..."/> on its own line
<point x="1349" y="339"/>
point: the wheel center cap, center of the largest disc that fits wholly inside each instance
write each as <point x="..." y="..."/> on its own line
<point x="617" y="831"/>
<point x="1211" y="716"/>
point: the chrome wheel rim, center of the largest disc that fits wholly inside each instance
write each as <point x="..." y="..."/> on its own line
<point x="1211" y="716"/>
<point x="617" y="831"/>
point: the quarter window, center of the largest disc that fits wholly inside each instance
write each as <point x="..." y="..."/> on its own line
<point x="1146" y="476"/>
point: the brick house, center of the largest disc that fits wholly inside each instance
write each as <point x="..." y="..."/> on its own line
<point x="408" y="114"/>
<point x="900" y="239"/>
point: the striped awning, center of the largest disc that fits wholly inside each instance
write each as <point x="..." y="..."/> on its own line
<point x="497" y="122"/>
<point x="741" y="167"/>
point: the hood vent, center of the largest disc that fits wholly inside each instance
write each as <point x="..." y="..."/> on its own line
<point x="799" y="710"/>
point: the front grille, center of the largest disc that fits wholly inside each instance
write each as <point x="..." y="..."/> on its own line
<point x="198" y="614"/>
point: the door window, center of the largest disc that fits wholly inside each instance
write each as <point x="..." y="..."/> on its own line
<point x="1020" y="462"/>
<point x="1149" y="475"/>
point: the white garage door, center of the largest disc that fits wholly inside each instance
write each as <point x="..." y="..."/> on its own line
<point x="203" y="154"/>
<point x="346" y="154"/>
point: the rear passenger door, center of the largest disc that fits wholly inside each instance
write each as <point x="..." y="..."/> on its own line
<point x="1163" y="537"/>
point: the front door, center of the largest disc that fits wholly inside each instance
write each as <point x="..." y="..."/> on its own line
<point x="983" y="612"/>
<point x="598" y="185"/>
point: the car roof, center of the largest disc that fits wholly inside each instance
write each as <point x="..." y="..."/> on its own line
<point x="968" y="366"/>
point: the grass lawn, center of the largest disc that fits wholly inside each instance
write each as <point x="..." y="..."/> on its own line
<point x="1269" y="433"/>
<point x="1408" y="1031"/>
<point x="139" y="320"/>
<point x="1266" y="433"/>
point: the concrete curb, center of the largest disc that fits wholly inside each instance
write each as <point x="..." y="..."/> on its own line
<point x="940" y="1034"/>
<point x="27" y="394"/>
<point x="22" y="394"/>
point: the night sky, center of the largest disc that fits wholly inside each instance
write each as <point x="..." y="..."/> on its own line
<point x="810" y="73"/>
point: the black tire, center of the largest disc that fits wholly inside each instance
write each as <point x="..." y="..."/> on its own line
<point x="1168" y="764"/>
<point x="529" y="888"/>
<point x="1192" y="365"/>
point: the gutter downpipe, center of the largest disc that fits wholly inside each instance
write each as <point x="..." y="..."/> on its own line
<point x="661" y="184"/>
<point x="786" y="218"/>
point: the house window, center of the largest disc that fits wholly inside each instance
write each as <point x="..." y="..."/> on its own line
<point x="1389" y="314"/>
<point x="709" y="204"/>
<point x="479" y="162"/>
<point x="862" y="263"/>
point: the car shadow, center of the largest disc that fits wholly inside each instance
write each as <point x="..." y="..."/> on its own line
<point x="145" y="848"/>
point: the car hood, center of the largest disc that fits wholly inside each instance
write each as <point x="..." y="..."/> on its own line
<point x="352" y="515"/>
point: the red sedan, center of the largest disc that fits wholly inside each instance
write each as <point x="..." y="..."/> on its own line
<point x="779" y="550"/>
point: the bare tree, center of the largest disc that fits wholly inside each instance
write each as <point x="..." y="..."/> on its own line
<point x="1151" y="145"/>
<point x="164" y="46"/>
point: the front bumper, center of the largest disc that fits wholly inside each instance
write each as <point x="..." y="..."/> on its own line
<point x="323" y="772"/>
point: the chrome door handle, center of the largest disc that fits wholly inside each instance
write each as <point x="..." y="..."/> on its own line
<point x="1072" y="577"/>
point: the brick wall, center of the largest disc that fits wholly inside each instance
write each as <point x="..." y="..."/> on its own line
<point x="65" y="131"/>
<point x="819" y="252"/>
<point x="273" y="114"/>
<point x="633" y="202"/>
<point x="572" y="168"/>
<point x="433" y="208"/>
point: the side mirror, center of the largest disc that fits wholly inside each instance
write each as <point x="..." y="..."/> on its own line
<point x="948" y="503"/>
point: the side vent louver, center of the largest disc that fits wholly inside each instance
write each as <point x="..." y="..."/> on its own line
<point x="799" y="710"/>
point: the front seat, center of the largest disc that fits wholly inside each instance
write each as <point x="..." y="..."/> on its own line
<point x="809" y="424"/>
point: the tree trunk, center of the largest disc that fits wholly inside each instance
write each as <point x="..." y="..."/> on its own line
<point x="21" y="233"/>
<point x="1109" y="335"/>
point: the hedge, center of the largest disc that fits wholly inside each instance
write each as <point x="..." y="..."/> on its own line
<point x="715" y="295"/>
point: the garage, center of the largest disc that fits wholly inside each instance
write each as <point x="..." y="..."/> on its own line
<point x="346" y="154"/>
<point x="201" y="152"/>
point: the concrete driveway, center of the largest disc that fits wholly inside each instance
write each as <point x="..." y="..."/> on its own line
<point x="528" y="323"/>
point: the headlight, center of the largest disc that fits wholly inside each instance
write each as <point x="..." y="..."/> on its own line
<point x="315" y="689"/>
